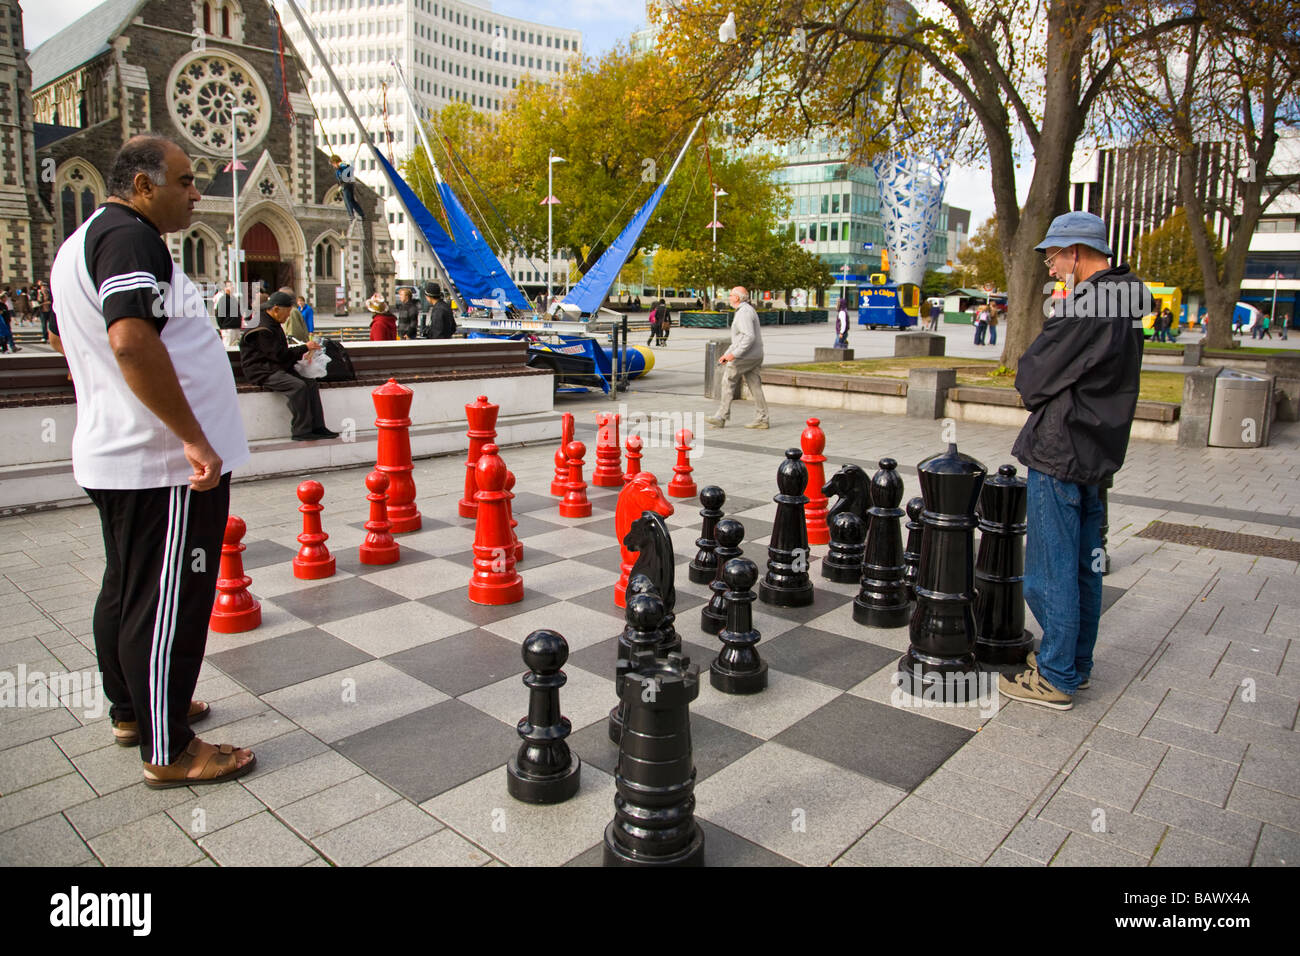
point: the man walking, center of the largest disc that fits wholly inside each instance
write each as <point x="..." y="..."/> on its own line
<point x="158" y="434"/>
<point x="1079" y="380"/>
<point x="744" y="360"/>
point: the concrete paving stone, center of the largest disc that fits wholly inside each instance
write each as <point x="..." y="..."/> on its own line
<point x="42" y="799"/>
<point x="787" y="700"/>
<point x="212" y="808"/>
<point x="31" y="763"/>
<point x="249" y="732"/>
<point x="1216" y="745"/>
<point x="279" y="753"/>
<point x="1040" y="720"/>
<point x="154" y="841"/>
<point x="216" y="688"/>
<point x="1277" y="847"/>
<point x="49" y="841"/>
<point x="1193" y="710"/>
<point x="121" y="807"/>
<point x="1240" y="616"/>
<point x="260" y="840"/>
<point x="110" y="767"/>
<point x="1271" y="769"/>
<point x="377" y="835"/>
<point x="1250" y="655"/>
<point x="1035" y="839"/>
<point x="1049" y="752"/>
<point x="444" y="848"/>
<point x="1108" y="779"/>
<point x="1080" y="850"/>
<point x="966" y="835"/>
<point x="1004" y="857"/>
<point x="303" y="778"/>
<point x="336" y="805"/>
<point x="1266" y="805"/>
<point x="1001" y="770"/>
<point x="392" y="629"/>
<point x="885" y="846"/>
<point x="1188" y="813"/>
<point x="1104" y="822"/>
<point x="1129" y="747"/>
<point x="1182" y="848"/>
<point x="1269" y="706"/>
<point x="585" y="699"/>
<point x="1195" y="775"/>
<point x="978" y="797"/>
<point x="1284" y="741"/>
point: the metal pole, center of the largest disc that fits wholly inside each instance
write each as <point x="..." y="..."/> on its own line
<point x="550" y="207"/>
<point x="234" y="202"/>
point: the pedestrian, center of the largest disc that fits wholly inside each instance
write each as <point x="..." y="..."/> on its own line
<point x="665" y="322"/>
<point x="842" y="324"/>
<point x="743" y="361"/>
<point x="1265" y="327"/>
<point x="158" y="434"/>
<point x="383" y="324"/>
<point x="44" y="308"/>
<point x="981" y="323"/>
<point x="442" y="324"/>
<point x="936" y="307"/>
<point x="1079" y="380"/>
<point x="295" y="327"/>
<point x="268" y="361"/>
<point x="1281" y="327"/>
<point x="654" y="327"/>
<point x="407" y="312"/>
<point x="308" y="315"/>
<point x="23" y="306"/>
<point x="347" y="181"/>
<point x="226" y="309"/>
<point x="6" y="333"/>
<point x="993" y="324"/>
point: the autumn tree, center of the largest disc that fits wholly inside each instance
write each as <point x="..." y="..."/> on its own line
<point x="1168" y="254"/>
<point x="1020" y="71"/>
<point x="980" y="261"/>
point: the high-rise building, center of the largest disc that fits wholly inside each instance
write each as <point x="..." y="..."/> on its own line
<point x="451" y="51"/>
<point x="26" y="229"/>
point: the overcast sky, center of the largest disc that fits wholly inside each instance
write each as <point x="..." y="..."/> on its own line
<point x="603" y="23"/>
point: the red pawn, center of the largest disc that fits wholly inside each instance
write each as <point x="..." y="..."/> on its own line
<point x="494" y="580"/>
<point x="633" y="458"/>
<point x="510" y="511"/>
<point x="813" y="442"/>
<point x="575" y="503"/>
<point x="393" y="419"/>
<point x="482" y="418"/>
<point x="313" y="560"/>
<point x="560" y="483"/>
<point x="609" y="469"/>
<point x="683" y="485"/>
<point x="235" y="609"/>
<point x="379" y="546"/>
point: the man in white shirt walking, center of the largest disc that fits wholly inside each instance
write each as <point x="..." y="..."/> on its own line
<point x="744" y="360"/>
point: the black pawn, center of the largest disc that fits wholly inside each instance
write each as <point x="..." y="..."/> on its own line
<point x="644" y="614"/>
<point x="843" y="562"/>
<point x="882" y="600"/>
<point x="912" y="552"/>
<point x="786" y="583"/>
<point x="544" y="770"/>
<point x="739" y="669"/>
<point x="713" y="616"/>
<point x="654" y="803"/>
<point x="704" y="566"/>
<point x="1000" y="632"/>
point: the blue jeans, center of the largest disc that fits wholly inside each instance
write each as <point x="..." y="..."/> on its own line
<point x="1063" y="563"/>
<point x="993" y="335"/>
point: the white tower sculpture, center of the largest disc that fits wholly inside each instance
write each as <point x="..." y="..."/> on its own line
<point x="911" y="192"/>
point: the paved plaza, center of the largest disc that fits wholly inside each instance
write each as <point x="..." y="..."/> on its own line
<point x="382" y="704"/>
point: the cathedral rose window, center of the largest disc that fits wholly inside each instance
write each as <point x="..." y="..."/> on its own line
<point x="204" y="88"/>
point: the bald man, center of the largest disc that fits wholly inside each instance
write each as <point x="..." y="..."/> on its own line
<point x="744" y="360"/>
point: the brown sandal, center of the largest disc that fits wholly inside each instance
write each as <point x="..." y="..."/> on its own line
<point x="201" y="763"/>
<point x="127" y="732"/>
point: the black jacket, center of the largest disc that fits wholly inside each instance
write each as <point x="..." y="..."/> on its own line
<point x="408" y="317"/>
<point x="227" y="310"/>
<point x="264" y="350"/>
<point x="1079" y="380"/>
<point x="441" y="322"/>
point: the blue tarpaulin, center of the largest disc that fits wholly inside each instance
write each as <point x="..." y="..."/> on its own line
<point x="588" y="294"/>
<point x="471" y="242"/>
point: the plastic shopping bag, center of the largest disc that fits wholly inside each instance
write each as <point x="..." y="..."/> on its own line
<point x="312" y="365"/>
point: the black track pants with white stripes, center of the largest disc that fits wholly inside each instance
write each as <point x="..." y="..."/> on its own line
<point x="162" y="549"/>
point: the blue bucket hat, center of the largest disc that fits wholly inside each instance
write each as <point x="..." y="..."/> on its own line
<point x="1076" y="228"/>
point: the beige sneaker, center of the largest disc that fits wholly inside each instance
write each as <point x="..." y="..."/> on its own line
<point x="1029" y="686"/>
<point x="715" y="422"/>
<point x="757" y="425"/>
<point x="1032" y="661"/>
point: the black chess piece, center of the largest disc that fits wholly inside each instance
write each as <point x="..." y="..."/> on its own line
<point x="654" y="804"/>
<point x="544" y="770"/>
<point x="1000" y="632"/>
<point x="843" y="561"/>
<point x="653" y="545"/>
<point x="882" y="600"/>
<point x="713" y="616"/>
<point x="787" y="583"/>
<point x="853" y="490"/>
<point x="912" y="552"/>
<point x="644" y="613"/>
<point x="739" y="669"/>
<point x="704" y="566"/>
<point x="940" y="661"/>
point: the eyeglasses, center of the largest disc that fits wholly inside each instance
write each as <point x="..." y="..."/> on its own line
<point x="1048" y="261"/>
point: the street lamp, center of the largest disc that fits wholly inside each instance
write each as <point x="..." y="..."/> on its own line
<point x="549" y="202"/>
<point x="715" y="225"/>
<point x="235" y="167"/>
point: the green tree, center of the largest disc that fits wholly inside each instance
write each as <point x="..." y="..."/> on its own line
<point x="936" y="283"/>
<point x="980" y="261"/>
<point x="1168" y="254"/>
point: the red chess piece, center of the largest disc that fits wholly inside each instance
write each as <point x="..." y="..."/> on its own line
<point x="235" y="609"/>
<point x="575" y="503"/>
<point x="633" y="458"/>
<point x="639" y="495"/>
<point x="560" y="483"/>
<point x="379" y="546"/>
<point x="813" y="442"/>
<point x="683" y="485"/>
<point x="510" y="510"/>
<point x="393" y="408"/>
<point x="313" y="560"/>
<point x="609" y="467"/>
<point x="482" y="418"/>
<point x="494" y="580"/>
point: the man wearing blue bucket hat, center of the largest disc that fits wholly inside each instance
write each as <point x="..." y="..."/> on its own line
<point x="1079" y="380"/>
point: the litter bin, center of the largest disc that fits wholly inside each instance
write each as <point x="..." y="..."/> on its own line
<point x="1239" y="413"/>
<point x="714" y="349"/>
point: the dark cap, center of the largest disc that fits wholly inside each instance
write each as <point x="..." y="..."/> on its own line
<point x="280" y="300"/>
<point x="433" y="290"/>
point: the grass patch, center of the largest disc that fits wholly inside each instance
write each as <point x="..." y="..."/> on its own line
<point x="1248" y="351"/>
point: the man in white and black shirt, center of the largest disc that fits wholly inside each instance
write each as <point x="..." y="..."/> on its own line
<point x="158" y="433"/>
